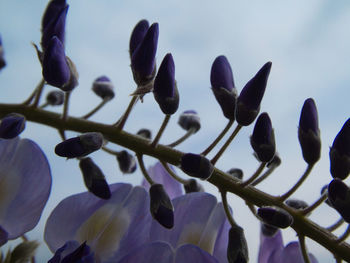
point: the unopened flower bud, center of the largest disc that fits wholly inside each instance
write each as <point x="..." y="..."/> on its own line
<point x="189" y="120"/>
<point x="103" y="88"/>
<point x="236" y="172"/>
<point x="237" y="249"/>
<point x="268" y="230"/>
<point x="94" y="179"/>
<point x="52" y="11"/>
<point x="339" y="196"/>
<point x="276" y="161"/>
<point x="275" y="217"/>
<point x="12" y="125"/>
<point x="340" y="153"/>
<point x="55" y="98"/>
<point x="143" y="63"/>
<point x="80" y="146"/>
<point x="223" y="86"/>
<point x="309" y="133"/>
<point x="248" y="102"/>
<point x="137" y="35"/>
<point x="2" y="59"/>
<point x="263" y="138"/>
<point x="192" y="186"/>
<point x="296" y="204"/>
<point x="196" y="165"/>
<point x="126" y="161"/>
<point x="325" y="189"/>
<point x="72" y="252"/>
<point x="145" y="133"/>
<point x="164" y="89"/>
<point x="55" y="27"/>
<point x="161" y="207"/>
<point x="56" y="71"/>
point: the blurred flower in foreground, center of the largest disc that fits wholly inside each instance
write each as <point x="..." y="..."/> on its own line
<point x="121" y="229"/>
<point x="272" y="250"/>
<point x="25" y="185"/>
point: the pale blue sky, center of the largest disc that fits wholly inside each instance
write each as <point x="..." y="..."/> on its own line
<point x="307" y="42"/>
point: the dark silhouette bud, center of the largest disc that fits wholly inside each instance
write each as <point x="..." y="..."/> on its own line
<point x="189" y="120"/>
<point x="2" y="59"/>
<point x="56" y="71"/>
<point x="55" y="98"/>
<point x="143" y="62"/>
<point x="248" y="102"/>
<point x="94" y="179"/>
<point x="164" y="89"/>
<point x="145" y="133"/>
<point x="339" y="196"/>
<point x="71" y="252"/>
<point x="236" y="172"/>
<point x="223" y="86"/>
<point x="263" y="138"/>
<point x="196" y="165"/>
<point x="137" y="35"/>
<point x="237" y="249"/>
<point x="309" y="133"/>
<point x="192" y="186"/>
<point x="161" y="207"/>
<point x="296" y="204"/>
<point x="275" y="162"/>
<point x="103" y="88"/>
<point x="268" y="230"/>
<point x="340" y="153"/>
<point x="324" y="189"/>
<point x="55" y="27"/>
<point x="126" y="161"/>
<point x="275" y="217"/>
<point x="80" y="146"/>
<point x="12" y="125"/>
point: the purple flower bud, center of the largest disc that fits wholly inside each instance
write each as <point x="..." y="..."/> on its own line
<point x="196" y="165"/>
<point x="223" y="86"/>
<point x="145" y="133"/>
<point x="161" y="207"/>
<point x="339" y="196"/>
<point x="340" y="153"/>
<point x="309" y="133"/>
<point x="189" y="120"/>
<point x="236" y="173"/>
<point x="248" y="102"/>
<point x="55" y="98"/>
<point x="2" y="59"/>
<point x="275" y="217"/>
<point x="323" y="189"/>
<point x="71" y="252"/>
<point x="296" y="204"/>
<point x="127" y="163"/>
<point x="56" y="27"/>
<point x="137" y="35"/>
<point x="94" y="179"/>
<point x="268" y="230"/>
<point x="276" y="161"/>
<point x="52" y="11"/>
<point x="56" y="71"/>
<point x="192" y="186"/>
<point x="164" y="88"/>
<point x="143" y="62"/>
<point x="263" y="138"/>
<point x="12" y="125"/>
<point x="237" y="249"/>
<point x="80" y="146"/>
<point x="103" y="88"/>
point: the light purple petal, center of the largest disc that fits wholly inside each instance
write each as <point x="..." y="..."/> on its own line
<point x="106" y="225"/>
<point x="194" y="218"/>
<point x="25" y="185"/>
<point x="292" y="254"/>
<point x="220" y="249"/>
<point x="157" y="252"/>
<point x="268" y="246"/>
<point x="158" y="173"/>
<point x="190" y="254"/>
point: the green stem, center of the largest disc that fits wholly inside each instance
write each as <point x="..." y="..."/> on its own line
<point x="110" y="151"/>
<point x="227" y="143"/>
<point x="161" y="130"/>
<point x="96" y="109"/>
<point x="298" y="184"/>
<point x="143" y="169"/>
<point x="66" y="105"/>
<point x="316" y="204"/>
<point x="172" y="174"/>
<point x="336" y="225"/>
<point x="172" y="156"/>
<point x="31" y="97"/>
<point x="121" y="122"/>
<point x="255" y="175"/>
<point x="218" y="139"/>
<point x="227" y="209"/>
<point x="39" y="91"/>
<point x="344" y="235"/>
<point x="264" y="175"/>
<point x="183" y="138"/>
<point x="303" y="248"/>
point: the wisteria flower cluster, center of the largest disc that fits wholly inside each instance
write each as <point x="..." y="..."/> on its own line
<point x="168" y="218"/>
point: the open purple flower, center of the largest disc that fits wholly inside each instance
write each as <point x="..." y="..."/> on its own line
<point x="272" y="250"/>
<point x="25" y="185"/>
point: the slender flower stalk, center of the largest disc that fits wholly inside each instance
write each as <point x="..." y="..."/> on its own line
<point x="336" y="225"/>
<point x="31" y="97"/>
<point x="303" y="248"/>
<point x="144" y="170"/>
<point x="271" y="166"/>
<point x="227" y="209"/>
<point x="316" y="204"/>
<point x="183" y="138"/>
<point x="121" y="122"/>
<point x="161" y="130"/>
<point x="255" y="175"/>
<point x="344" y="236"/>
<point x="174" y="175"/>
<point x="96" y="109"/>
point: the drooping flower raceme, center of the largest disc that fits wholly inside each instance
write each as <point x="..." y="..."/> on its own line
<point x="25" y="185"/>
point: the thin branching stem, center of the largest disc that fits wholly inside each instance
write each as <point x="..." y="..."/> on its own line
<point x="303" y="248"/>
<point x="172" y="174"/>
<point x="32" y="95"/>
<point x="316" y="204"/>
<point x="345" y="235"/>
<point x="161" y="130"/>
<point x="267" y="173"/>
<point x="227" y="143"/>
<point x="218" y="139"/>
<point x="96" y="109"/>
<point x="183" y="138"/>
<point x="43" y="106"/>
<point x="226" y="208"/>
<point x="121" y="122"/>
<point x="255" y="175"/>
<point x="336" y="225"/>
<point x="39" y="91"/>
<point x="143" y="169"/>
<point x="66" y="105"/>
<point x="110" y="151"/>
